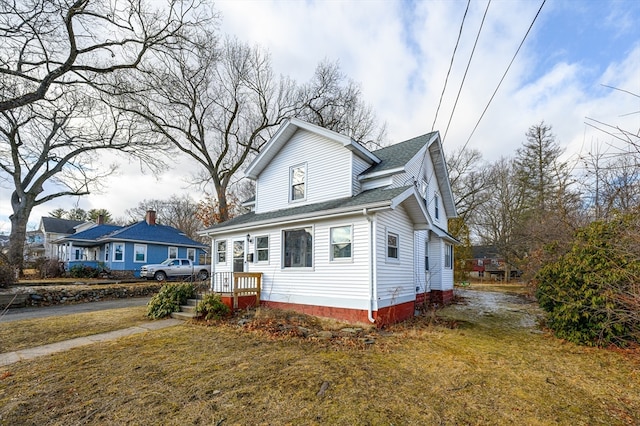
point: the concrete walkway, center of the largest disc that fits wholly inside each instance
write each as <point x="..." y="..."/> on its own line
<point x="9" y="358"/>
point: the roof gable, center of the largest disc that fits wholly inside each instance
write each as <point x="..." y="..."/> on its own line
<point x="287" y="130"/>
<point x="398" y="155"/>
<point x="59" y="226"/>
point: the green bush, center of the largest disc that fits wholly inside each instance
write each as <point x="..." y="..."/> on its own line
<point x="84" y="271"/>
<point x="212" y="307"/>
<point x="169" y="299"/>
<point x="592" y="293"/>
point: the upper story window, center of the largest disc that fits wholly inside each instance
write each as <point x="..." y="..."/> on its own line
<point x="436" y="206"/>
<point x="297" y="179"/>
<point x="341" y="242"/>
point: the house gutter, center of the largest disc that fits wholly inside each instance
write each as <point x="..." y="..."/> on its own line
<point x="372" y="257"/>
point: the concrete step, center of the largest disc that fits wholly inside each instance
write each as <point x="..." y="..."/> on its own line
<point x="192" y="302"/>
<point x="183" y="315"/>
<point x="191" y="309"/>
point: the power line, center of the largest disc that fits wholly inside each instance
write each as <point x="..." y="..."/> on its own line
<point x="505" y="74"/>
<point x="466" y="70"/>
<point x="450" y="65"/>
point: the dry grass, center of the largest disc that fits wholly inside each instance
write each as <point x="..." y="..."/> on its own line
<point x="15" y="335"/>
<point x="422" y="372"/>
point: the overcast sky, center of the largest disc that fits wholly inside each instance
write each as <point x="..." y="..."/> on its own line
<point x="400" y="52"/>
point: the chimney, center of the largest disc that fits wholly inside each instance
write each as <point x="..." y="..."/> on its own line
<point x="100" y="219"/>
<point x="151" y="217"/>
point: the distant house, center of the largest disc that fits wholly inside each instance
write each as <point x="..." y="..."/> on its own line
<point x="339" y="231"/>
<point x="124" y="249"/>
<point x="487" y="263"/>
<point x="41" y="243"/>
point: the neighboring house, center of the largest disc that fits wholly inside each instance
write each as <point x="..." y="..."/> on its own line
<point x="124" y="249"/>
<point x="52" y="229"/>
<point x="339" y="231"/>
<point x="487" y="263"/>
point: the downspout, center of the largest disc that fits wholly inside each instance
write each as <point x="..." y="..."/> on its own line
<point x="372" y="257"/>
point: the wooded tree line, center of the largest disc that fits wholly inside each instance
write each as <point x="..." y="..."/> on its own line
<point x="79" y="78"/>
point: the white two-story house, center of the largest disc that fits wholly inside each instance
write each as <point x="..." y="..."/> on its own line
<point x="340" y="231"/>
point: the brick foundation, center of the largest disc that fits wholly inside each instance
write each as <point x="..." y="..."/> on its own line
<point x="441" y="297"/>
<point x="244" y="302"/>
<point x="384" y="316"/>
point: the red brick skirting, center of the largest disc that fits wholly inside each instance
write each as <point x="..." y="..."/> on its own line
<point x="384" y="316"/>
<point x="441" y="297"/>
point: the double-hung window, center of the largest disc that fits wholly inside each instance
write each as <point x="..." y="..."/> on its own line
<point x="426" y="255"/>
<point x="298" y="248"/>
<point x="392" y="246"/>
<point x="221" y="251"/>
<point x="262" y="249"/>
<point x="297" y="179"/>
<point x="191" y="254"/>
<point x="140" y="253"/>
<point x="448" y="256"/>
<point x="118" y="252"/>
<point x="341" y="242"/>
<point x="173" y="253"/>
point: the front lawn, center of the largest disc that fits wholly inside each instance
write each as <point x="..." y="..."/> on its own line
<point x="444" y="369"/>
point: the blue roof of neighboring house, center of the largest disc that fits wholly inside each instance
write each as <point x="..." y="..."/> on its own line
<point x="138" y="232"/>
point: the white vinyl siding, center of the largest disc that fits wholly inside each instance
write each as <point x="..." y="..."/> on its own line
<point x="327" y="283"/>
<point x="395" y="280"/>
<point x="328" y="176"/>
<point x="359" y="166"/>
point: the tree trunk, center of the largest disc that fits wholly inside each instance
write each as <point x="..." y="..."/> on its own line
<point x="19" y="220"/>
<point x="223" y="207"/>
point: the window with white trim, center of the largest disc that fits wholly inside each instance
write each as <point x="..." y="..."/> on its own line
<point x="221" y="251"/>
<point x="392" y="246"/>
<point x="173" y="253"/>
<point x="106" y="252"/>
<point x="140" y="253"/>
<point x="191" y="254"/>
<point x="448" y="256"/>
<point x="436" y="206"/>
<point x="298" y="248"/>
<point x="426" y="255"/>
<point x="262" y="248"/>
<point x="118" y="252"/>
<point x="297" y="178"/>
<point x="340" y="240"/>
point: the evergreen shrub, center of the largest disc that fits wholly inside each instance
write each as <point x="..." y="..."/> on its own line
<point x="169" y="299"/>
<point x="591" y="294"/>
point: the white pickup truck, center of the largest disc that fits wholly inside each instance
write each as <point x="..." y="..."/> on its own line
<point x="175" y="268"/>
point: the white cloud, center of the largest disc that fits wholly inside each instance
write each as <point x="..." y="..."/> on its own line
<point x="401" y="56"/>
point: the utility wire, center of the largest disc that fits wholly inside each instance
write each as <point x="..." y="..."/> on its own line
<point x="465" y="71"/>
<point x="450" y="65"/>
<point x="504" y="75"/>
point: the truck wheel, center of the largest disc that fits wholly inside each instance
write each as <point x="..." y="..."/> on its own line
<point x="160" y="276"/>
<point x="203" y="275"/>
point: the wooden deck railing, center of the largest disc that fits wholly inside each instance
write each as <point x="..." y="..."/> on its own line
<point x="238" y="284"/>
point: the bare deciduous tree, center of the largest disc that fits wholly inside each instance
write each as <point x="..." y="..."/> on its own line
<point x="53" y="53"/>
<point x="179" y="212"/>
<point x="219" y="103"/>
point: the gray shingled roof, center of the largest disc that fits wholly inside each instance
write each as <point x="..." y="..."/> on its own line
<point x="398" y="155"/>
<point x="363" y="199"/>
<point x="60" y="226"/>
